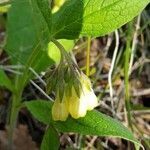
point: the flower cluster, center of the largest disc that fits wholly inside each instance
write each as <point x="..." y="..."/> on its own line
<point x="76" y="106"/>
<point x="73" y="89"/>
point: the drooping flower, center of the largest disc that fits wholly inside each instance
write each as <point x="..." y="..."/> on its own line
<point x="88" y="92"/>
<point x="74" y="104"/>
<point x="60" y="109"/>
<point x="78" y="105"/>
<point x="91" y="99"/>
<point x="76" y="95"/>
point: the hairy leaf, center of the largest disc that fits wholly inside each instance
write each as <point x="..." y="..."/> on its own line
<point x="28" y="33"/>
<point x="41" y="110"/>
<point x="94" y="123"/>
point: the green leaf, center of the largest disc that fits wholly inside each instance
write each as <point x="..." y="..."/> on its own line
<point x="94" y="123"/>
<point x="93" y="17"/>
<point x="54" y="52"/>
<point x="50" y="140"/>
<point x="28" y="33"/>
<point x="45" y="9"/>
<point x="5" y="81"/>
<point x="40" y="109"/>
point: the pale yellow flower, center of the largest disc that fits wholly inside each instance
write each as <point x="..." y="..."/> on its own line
<point x="78" y="106"/>
<point x="75" y="105"/>
<point x="88" y="92"/>
<point x="91" y="99"/>
<point x="60" y="110"/>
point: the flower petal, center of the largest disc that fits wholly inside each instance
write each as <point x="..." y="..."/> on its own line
<point x="91" y="100"/>
<point x="59" y="111"/>
<point x="77" y="106"/>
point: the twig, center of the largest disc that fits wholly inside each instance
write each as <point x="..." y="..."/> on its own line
<point x="36" y="74"/>
<point x="134" y="43"/>
<point x="140" y="62"/>
<point x="141" y="92"/>
<point x="112" y="67"/>
<point x="5" y="2"/>
<point x="11" y="71"/>
<point x="36" y="86"/>
<point x="11" y="66"/>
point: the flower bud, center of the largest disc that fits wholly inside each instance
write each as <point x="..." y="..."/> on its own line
<point x="60" y="110"/>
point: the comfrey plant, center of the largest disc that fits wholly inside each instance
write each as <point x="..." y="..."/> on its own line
<point x="31" y="27"/>
<point x="74" y="93"/>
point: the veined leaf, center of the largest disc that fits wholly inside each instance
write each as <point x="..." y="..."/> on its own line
<point x="41" y="110"/>
<point x="45" y="10"/>
<point x="28" y="32"/>
<point x="50" y="140"/>
<point x="94" y="17"/>
<point x="94" y="123"/>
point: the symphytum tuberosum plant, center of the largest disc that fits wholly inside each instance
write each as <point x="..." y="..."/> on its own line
<point x="31" y="27"/>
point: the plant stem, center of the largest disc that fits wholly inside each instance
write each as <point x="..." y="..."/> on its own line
<point x="88" y="56"/>
<point x="126" y="69"/>
<point x="13" y="117"/>
<point x="65" y="55"/>
<point x="134" y="43"/>
<point x="20" y="82"/>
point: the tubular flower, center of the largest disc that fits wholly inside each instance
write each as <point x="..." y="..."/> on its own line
<point x="60" y="110"/>
<point x="88" y="93"/>
<point x="69" y="81"/>
<point x="78" y="106"/>
<point x="74" y="104"/>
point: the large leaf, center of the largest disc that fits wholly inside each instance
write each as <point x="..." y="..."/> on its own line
<point x="41" y="110"/>
<point x="28" y="32"/>
<point x="50" y="140"/>
<point x="5" y="81"/>
<point x="94" y="17"/>
<point x="94" y="123"/>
